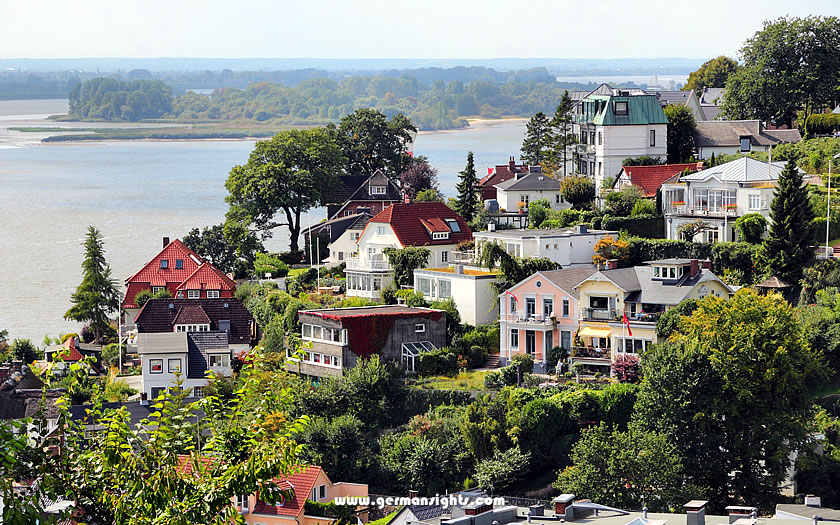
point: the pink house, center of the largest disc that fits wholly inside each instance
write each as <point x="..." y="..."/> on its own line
<point x="539" y="313"/>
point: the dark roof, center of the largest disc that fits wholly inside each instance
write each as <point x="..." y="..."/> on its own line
<point x="772" y="282"/>
<point x="23" y="403"/>
<point x="503" y="172"/>
<point x="191" y="314"/>
<point x="198" y="343"/>
<point x="407" y="221"/>
<point x="721" y="133"/>
<point x="531" y="182"/>
<point x="362" y="193"/>
<point x="156" y="316"/>
<point x="367" y="310"/>
<point x="137" y="411"/>
<point x="337" y="225"/>
<point x="672" y="97"/>
<point x="346" y="186"/>
<point x="650" y="178"/>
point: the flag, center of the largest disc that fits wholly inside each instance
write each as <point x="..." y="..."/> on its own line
<point x="627" y="324"/>
<point x="490" y="171"/>
<point x="515" y="300"/>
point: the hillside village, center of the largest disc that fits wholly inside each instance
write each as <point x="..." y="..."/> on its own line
<point x="633" y="320"/>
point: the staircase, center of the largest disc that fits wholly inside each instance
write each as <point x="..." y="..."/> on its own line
<point x="491" y="361"/>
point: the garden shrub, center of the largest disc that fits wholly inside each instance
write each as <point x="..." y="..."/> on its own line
<point x="647" y="226"/>
<point x="525" y="362"/>
<point x="441" y="361"/>
<point x="626" y="368"/>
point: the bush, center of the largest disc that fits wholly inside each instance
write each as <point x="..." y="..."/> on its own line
<point x="621" y="203"/>
<point x="270" y="264"/>
<point x="503" y="469"/>
<point x="411" y="298"/>
<point x="669" y="321"/>
<point x="438" y="362"/>
<point x="751" y="227"/>
<point x="453" y="318"/>
<point x="24" y="350"/>
<point x="525" y="362"/>
<point x="647" y="226"/>
<point x="494" y="381"/>
<point x="821" y="124"/>
<point x="642" y="250"/>
<point x="626" y="368"/>
<point x="163" y="293"/>
<point x="643" y="207"/>
<point x="140" y="299"/>
<point x="291" y="258"/>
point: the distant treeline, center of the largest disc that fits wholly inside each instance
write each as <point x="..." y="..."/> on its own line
<point x="29" y="86"/>
<point x="439" y="104"/>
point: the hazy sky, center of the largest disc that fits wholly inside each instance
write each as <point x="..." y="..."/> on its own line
<point x="387" y="28"/>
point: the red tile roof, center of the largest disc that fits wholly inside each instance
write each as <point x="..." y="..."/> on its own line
<point x="409" y="221"/>
<point x="153" y="275"/>
<point x="501" y="173"/>
<point x="191" y="314"/>
<point x="650" y="178"/>
<point x="302" y="482"/>
<point x="207" y="277"/>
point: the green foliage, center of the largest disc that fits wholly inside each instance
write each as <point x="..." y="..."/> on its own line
<point x="621" y="202"/>
<point x="669" y="321"/>
<point x="24" y="350"/>
<point x="112" y="99"/>
<point x="341" y="446"/>
<point x="644" y="207"/>
<point x="538" y="140"/>
<point x="430" y="195"/>
<point x="648" y="226"/>
<point x="821" y="275"/>
<point x="269" y="263"/>
<point x="713" y="73"/>
<point x="163" y="293"/>
<point x="492" y="255"/>
<point x="681" y="129"/>
<point x="411" y="298"/>
<point x="525" y="362"/>
<point x="142" y="296"/>
<point x="229" y="247"/>
<point x="751" y="227"/>
<point x="370" y="141"/>
<point x="97" y="296"/>
<point x="453" y="318"/>
<point x="579" y="191"/>
<point x="821" y="124"/>
<point x="442" y="361"/>
<point x="644" y="160"/>
<point x="502" y="470"/>
<point x="404" y="261"/>
<point x="538" y="211"/>
<point x="467" y="202"/>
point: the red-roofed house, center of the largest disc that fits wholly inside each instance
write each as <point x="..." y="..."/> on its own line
<point x="182" y="272"/>
<point x="500" y="174"/>
<point x="432" y="225"/>
<point x="650" y="178"/>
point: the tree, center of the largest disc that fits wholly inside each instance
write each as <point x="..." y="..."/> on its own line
<point x="792" y="64"/>
<point x="287" y="174"/>
<point x="689" y="230"/>
<point x="539" y="140"/>
<point x="751" y="227"/>
<point x="404" y="261"/>
<point x="620" y="203"/>
<point x="681" y="129"/>
<point x="713" y="73"/>
<point x="232" y="250"/>
<point x="97" y="296"/>
<point x="669" y="320"/>
<point x="608" y="248"/>
<point x="370" y="142"/>
<point x="24" y="350"/>
<point x="538" y="211"/>
<point x="822" y="274"/>
<point x="644" y="160"/>
<point x="143" y="296"/>
<point x="731" y="389"/>
<point x="626" y="469"/>
<point x="270" y="263"/>
<point x="578" y="190"/>
<point x="787" y="249"/>
<point x="502" y="470"/>
<point x="563" y="131"/>
<point x="514" y="269"/>
<point x="420" y="176"/>
<point x="430" y="195"/>
<point x="467" y="201"/>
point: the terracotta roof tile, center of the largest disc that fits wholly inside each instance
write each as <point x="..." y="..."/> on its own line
<point x="650" y="178"/>
<point x="153" y="275"/>
<point x="407" y="221"/>
<point x="207" y="277"/>
<point x="302" y="482"/>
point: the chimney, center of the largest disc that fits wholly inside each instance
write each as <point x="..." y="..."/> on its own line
<point x="736" y="512"/>
<point x="412" y="494"/>
<point x="512" y="165"/>
<point x="491" y="226"/>
<point x="612" y="264"/>
<point x="695" y="511"/>
<point x="406" y="199"/>
<point x="459" y="269"/>
<point x="695" y="268"/>
<point x="813" y="501"/>
<point x="582" y="228"/>
<point x="165" y="242"/>
<point x="561" y="502"/>
<point x="707" y="264"/>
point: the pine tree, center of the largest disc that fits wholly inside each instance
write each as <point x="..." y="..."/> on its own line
<point x="562" y="135"/>
<point x="787" y="250"/>
<point x="712" y="162"/>
<point x="97" y="295"/>
<point x="467" y="202"/>
<point x="538" y="140"/>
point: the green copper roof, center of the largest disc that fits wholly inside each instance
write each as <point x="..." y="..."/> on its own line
<point x="641" y="110"/>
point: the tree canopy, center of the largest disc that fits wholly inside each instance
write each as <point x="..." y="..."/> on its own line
<point x="370" y="141"/>
<point x="419" y="176"/>
<point x="539" y="140"/>
<point x="578" y="190"/>
<point x="713" y="73"/>
<point x="681" y="129"/>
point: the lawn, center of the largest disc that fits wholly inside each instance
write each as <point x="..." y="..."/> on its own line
<point x="467" y="380"/>
<point x="294" y="272"/>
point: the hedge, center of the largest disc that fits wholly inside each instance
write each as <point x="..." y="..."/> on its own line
<point x="649" y="226"/>
<point x="437" y="362"/>
<point x="733" y="255"/>
<point x="818" y="228"/>
<point x="822" y="124"/>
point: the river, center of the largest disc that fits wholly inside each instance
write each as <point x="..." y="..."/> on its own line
<point x="136" y="193"/>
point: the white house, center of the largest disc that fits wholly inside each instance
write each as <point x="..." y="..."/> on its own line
<point x="718" y="196"/>
<point x="471" y="288"/>
<point x="529" y="187"/>
<point x="730" y="137"/>
<point x="431" y="225"/>
<point x="566" y="246"/>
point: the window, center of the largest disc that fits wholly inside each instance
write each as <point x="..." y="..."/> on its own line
<point x="592" y="137"/>
<point x="600" y="168"/>
<point x="583" y="137"/>
<point x="652" y="138"/>
<point x="548" y="307"/>
<point x="514" y="338"/>
<point x="600" y="138"/>
<point x="193" y="294"/>
<point x="621" y="108"/>
<point x="592" y="168"/>
<point x="224" y="325"/>
<point x="424" y="286"/>
<point x="755" y="201"/>
<point x="673" y="272"/>
<point x="377" y="190"/>
<point x="377" y="283"/>
<point x="512" y="303"/>
<point x="348" y="213"/>
<point x="155" y="366"/>
<point x="530" y="306"/>
<point x="599" y="303"/>
<point x="219" y="361"/>
<point x="380" y="230"/>
<point x="524" y="198"/>
<point x="444" y="256"/>
<point x="307" y="330"/>
<point x="212" y="294"/>
<point x="354" y="236"/>
<point x="557" y="199"/>
<point x="565" y="308"/>
<point x="745" y="144"/>
<point x="444" y="289"/>
<point x="156" y="289"/>
<point x="340" y="256"/>
<point x="316" y="358"/>
<point x="420" y="328"/>
<point x="242" y="501"/>
<point x="198" y="391"/>
<point x="157" y="391"/>
<point x="453" y="225"/>
<point x="547" y="246"/>
<point x="173" y="366"/>
<point x="440" y="235"/>
<point x="322" y="492"/>
<point x="656" y="271"/>
<point x="179" y="264"/>
<point x="164" y="264"/>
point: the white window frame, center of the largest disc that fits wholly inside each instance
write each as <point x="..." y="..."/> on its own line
<point x="420" y="328"/>
<point x="514" y="338"/>
<point x="623" y="105"/>
<point x="444" y="256"/>
<point x="653" y="138"/>
<point x="741" y="142"/>
<point x="222" y="357"/>
<point x="213" y="294"/>
<point x="170" y="361"/>
<point x="755" y="201"/>
<point x="378" y="190"/>
<point x="444" y="283"/>
<point x="380" y="230"/>
<point x="193" y="294"/>
<point x="198" y="391"/>
<point x="156" y="289"/>
<point x="151" y="366"/>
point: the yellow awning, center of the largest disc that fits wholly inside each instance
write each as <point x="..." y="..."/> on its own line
<point x="592" y="331"/>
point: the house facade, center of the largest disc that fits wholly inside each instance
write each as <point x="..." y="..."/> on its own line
<point x="336" y="338"/>
<point x="718" y="196"/>
<point x="730" y="137"/>
<point x="649" y="179"/>
<point x="497" y="175"/>
<point x="431" y="225"/>
<point x="183" y="338"/>
<point x="346" y="244"/>
<point x="471" y="288"/>
<point x="334" y="245"/>
<point x="612" y="127"/>
<point x="374" y="194"/>
<point x="525" y="188"/>
<point x="566" y="246"/>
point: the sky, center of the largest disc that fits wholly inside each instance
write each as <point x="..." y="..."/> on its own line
<point x="388" y="28"/>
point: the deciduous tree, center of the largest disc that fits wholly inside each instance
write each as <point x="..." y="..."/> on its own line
<point x="404" y="261"/>
<point x="420" y="176"/>
<point x="578" y="190"/>
<point x="681" y="129"/>
<point x="751" y="227"/>
<point x="369" y="141"/>
<point x="713" y="73"/>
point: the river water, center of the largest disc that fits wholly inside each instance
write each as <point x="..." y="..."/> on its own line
<point x="136" y="193"/>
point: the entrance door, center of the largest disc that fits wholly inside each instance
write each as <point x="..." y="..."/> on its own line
<point x="549" y="342"/>
<point x="566" y="339"/>
<point x="530" y="342"/>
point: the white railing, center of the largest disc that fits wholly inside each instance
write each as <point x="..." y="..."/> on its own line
<point x="702" y="212"/>
<point x="366" y="263"/>
<point x="521" y="318"/>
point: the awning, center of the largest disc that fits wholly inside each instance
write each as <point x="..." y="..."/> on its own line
<point x="592" y="331"/>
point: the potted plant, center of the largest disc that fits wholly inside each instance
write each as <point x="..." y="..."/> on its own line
<point x="521" y="206"/>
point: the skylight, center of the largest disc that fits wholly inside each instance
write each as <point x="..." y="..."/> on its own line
<point x="453" y="225"/>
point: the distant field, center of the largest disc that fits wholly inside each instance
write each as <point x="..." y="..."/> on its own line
<point x="226" y="131"/>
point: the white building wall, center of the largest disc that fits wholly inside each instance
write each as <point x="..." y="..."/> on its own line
<point x="706" y="152"/>
<point x="508" y="200"/>
<point x="474" y="298"/>
<point x="567" y="251"/>
<point x="345" y="245"/>
<point x="621" y="142"/>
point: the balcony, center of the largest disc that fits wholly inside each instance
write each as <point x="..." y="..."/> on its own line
<point x="465" y="257"/>
<point x="533" y="320"/>
<point x="585" y="149"/>
<point x="600" y="314"/>
<point x="368" y="263"/>
<point x="701" y="212"/>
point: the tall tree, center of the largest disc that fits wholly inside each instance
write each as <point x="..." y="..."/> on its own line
<point x="681" y="128"/>
<point x="562" y="126"/>
<point x="467" y="201"/>
<point x="285" y="174"/>
<point x="578" y="190"/>
<point x="419" y="176"/>
<point x="792" y="64"/>
<point x="787" y="249"/>
<point x="713" y="73"/>
<point x="539" y="140"/>
<point x="97" y="296"/>
<point x="232" y="251"/>
<point x="370" y="142"/>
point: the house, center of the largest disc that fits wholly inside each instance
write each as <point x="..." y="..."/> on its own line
<point x="614" y="126"/>
<point x="566" y="246"/>
<point x="500" y="173"/>
<point x="685" y="97"/>
<point x="650" y="178"/>
<point x="718" y="196"/>
<point x="181" y="271"/>
<point x="432" y="225"/>
<point x="730" y="137"/>
<point x="337" y="338"/>
<point x="373" y="193"/>
<point x="528" y="187"/>
<point x="73" y="351"/>
<point x="471" y="288"/>
<point x="186" y="338"/>
<point x="344" y="236"/>
<point x="710" y="99"/>
<point x="641" y="294"/>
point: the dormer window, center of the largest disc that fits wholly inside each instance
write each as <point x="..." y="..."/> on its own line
<point x="164" y="264"/>
<point x="453" y="225"/>
<point x="377" y="190"/>
<point x="745" y="144"/>
<point x="179" y="264"/>
<point x="193" y="294"/>
<point x="621" y="108"/>
<point x="440" y="235"/>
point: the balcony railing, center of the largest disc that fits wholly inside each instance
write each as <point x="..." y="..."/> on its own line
<point x="701" y="212"/>
<point x="590" y="352"/>
<point x="585" y="149"/>
<point x="367" y="263"/>
<point x="534" y="319"/>
<point x="600" y="314"/>
<point x="466" y="257"/>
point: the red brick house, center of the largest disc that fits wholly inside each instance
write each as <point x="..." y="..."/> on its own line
<point x="501" y="173"/>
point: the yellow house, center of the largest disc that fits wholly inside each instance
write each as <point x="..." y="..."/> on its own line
<point x="619" y="307"/>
